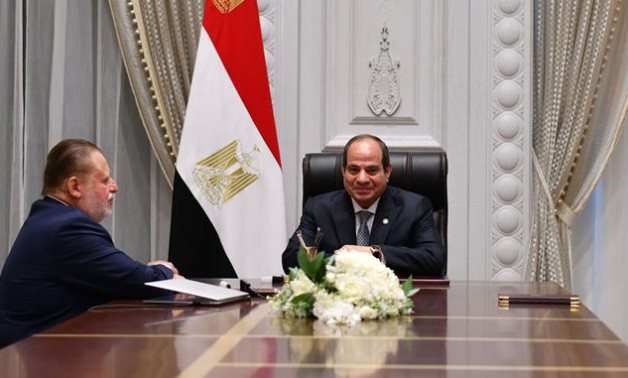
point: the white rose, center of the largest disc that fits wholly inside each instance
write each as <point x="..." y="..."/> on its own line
<point x="330" y="277"/>
<point x="332" y="310"/>
<point x="302" y="285"/>
<point x="367" y="312"/>
<point x="399" y="294"/>
<point x="353" y="288"/>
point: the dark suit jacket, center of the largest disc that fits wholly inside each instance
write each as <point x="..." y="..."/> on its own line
<point x="403" y="227"/>
<point x="61" y="264"/>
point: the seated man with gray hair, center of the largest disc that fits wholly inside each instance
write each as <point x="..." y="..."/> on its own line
<point x="63" y="261"/>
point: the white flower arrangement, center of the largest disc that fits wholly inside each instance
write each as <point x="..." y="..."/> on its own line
<point x="345" y="288"/>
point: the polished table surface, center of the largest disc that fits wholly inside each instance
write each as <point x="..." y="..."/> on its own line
<point x="457" y="330"/>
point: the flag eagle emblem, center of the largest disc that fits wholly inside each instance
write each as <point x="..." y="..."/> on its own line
<point x="226" y="172"/>
<point x="226" y="6"/>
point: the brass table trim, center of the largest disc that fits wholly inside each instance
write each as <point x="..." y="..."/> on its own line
<point x="517" y="318"/>
<point x="331" y="337"/>
<point x="212" y="356"/>
<point x="328" y="365"/>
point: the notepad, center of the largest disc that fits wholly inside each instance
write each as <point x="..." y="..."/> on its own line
<point x="200" y="293"/>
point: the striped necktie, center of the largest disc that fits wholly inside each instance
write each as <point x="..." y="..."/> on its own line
<point x="363" y="235"/>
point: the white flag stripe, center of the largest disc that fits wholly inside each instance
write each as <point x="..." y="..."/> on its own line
<point x="251" y="225"/>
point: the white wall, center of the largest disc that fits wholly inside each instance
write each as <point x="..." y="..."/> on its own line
<point x="450" y="77"/>
<point x="600" y="255"/>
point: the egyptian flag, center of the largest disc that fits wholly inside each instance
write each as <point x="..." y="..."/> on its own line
<point x="228" y="205"/>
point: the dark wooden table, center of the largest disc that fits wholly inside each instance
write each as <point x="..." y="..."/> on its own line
<point x="458" y="330"/>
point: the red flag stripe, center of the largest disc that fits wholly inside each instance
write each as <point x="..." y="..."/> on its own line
<point x="237" y="37"/>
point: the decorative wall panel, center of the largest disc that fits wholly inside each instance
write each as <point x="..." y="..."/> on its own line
<point x="388" y="52"/>
<point x="510" y="140"/>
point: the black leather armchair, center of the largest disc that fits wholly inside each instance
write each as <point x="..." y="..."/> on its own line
<point x="422" y="172"/>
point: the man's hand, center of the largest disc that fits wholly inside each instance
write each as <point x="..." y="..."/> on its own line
<point x="357" y="248"/>
<point x="168" y="265"/>
<point x="365" y="249"/>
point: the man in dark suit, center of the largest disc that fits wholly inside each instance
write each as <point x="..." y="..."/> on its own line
<point x="370" y="216"/>
<point x="63" y="261"/>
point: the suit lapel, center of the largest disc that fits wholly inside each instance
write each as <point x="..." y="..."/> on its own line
<point x="344" y="218"/>
<point x="387" y="212"/>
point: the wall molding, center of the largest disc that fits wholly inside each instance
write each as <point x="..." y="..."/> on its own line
<point x="510" y="138"/>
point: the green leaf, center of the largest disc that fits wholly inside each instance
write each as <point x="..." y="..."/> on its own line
<point x="305" y="298"/>
<point x="304" y="261"/>
<point x="292" y="275"/>
<point x="314" y="268"/>
<point x="320" y="267"/>
<point x="304" y="303"/>
<point x="407" y="288"/>
<point x="411" y="293"/>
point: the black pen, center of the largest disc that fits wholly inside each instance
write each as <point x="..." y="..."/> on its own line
<point x="318" y="237"/>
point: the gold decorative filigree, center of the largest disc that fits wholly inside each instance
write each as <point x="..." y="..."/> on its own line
<point x="226" y="6"/>
<point x="226" y="172"/>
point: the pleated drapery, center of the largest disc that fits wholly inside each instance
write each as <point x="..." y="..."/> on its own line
<point x="158" y="40"/>
<point x="571" y="146"/>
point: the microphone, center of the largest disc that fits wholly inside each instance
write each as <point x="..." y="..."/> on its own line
<point x="246" y="287"/>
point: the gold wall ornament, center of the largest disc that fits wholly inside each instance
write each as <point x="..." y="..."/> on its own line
<point x="226" y="6"/>
<point x="226" y="172"/>
<point x="384" y="94"/>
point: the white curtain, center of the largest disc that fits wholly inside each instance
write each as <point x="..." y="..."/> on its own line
<point x="63" y="77"/>
<point x="574" y="130"/>
<point x="11" y="121"/>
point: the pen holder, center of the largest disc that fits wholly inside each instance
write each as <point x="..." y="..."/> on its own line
<point x="570" y="300"/>
<point x="312" y="251"/>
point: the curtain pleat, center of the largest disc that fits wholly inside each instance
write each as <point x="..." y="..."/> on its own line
<point x="572" y="42"/>
<point x="158" y="40"/>
<point x="12" y="121"/>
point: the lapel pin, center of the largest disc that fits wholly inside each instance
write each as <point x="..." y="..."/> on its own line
<point x="385" y="221"/>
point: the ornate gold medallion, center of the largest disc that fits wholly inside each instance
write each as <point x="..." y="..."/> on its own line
<point x="226" y="172"/>
<point x="226" y="6"/>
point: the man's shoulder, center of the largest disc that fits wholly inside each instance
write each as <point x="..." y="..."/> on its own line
<point x="399" y="194"/>
<point x="53" y="214"/>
